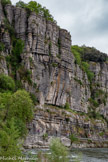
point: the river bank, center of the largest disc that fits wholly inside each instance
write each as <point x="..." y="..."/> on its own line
<point x="82" y="143"/>
<point x="83" y="154"/>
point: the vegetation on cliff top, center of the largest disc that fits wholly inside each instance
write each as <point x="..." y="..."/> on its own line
<point x="84" y="53"/>
<point x="78" y="51"/>
<point x="32" y="6"/>
<point x="5" y="2"/>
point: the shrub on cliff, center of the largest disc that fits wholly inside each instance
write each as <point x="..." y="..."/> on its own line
<point x="33" y="6"/>
<point x="21" y="4"/>
<point x="67" y="106"/>
<point x="6" y="83"/>
<point x="5" y="2"/>
<point x="85" y="67"/>
<point x="78" y="52"/>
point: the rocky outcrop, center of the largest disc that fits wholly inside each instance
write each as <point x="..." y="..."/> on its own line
<point x="52" y="122"/>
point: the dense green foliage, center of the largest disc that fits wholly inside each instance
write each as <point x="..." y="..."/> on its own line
<point x="20" y="106"/>
<point x="67" y="106"/>
<point x="6" y="83"/>
<point x="9" y="136"/>
<point x="21" y="4"/>
<point x="88" y="54"/>
<point x="85" y="67"/>
<point x="59" y="152"/>
<point x="16" y="110"/>
<point x="5" y="2"/>
<point x="78" y="52"/>
<point x="92" y="54"/>
<point x="37" y="8"/>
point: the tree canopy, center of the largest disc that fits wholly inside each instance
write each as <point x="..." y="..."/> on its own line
<point x="16" y="110"/>
<point x="89" y="54"/>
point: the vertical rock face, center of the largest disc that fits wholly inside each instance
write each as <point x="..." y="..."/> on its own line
<point x="101" y="80"/>
<point x="47" y="55"/>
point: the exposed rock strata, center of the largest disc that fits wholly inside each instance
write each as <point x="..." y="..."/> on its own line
<point x="60" y="123"/>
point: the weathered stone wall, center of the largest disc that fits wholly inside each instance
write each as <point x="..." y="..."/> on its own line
<point x="54" y="122"/>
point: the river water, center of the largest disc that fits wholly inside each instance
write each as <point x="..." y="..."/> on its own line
<point x="90" y="155"/>
<point x="84" y="155"/>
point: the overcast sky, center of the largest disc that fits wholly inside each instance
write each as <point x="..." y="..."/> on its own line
<point x="86" y="20"/>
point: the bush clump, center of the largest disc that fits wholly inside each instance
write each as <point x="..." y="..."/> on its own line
<point x="21" y="106"/>
<point x="5" y="2"/>
<point x="9" y="136"/>
<point x="6" y="83"/>
<point x="67" y="106"/>
<point x="59" y="152"/>
<point x="78" y="52"/>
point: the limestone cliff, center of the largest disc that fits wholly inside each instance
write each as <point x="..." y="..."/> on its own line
<point x="55" y="79"/>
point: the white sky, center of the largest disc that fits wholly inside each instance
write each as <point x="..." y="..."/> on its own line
<point x="86" y="20"/>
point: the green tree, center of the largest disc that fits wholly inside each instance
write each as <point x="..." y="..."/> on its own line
<point x="21" y="126"/>
<point x="5" y="2"/>
<point x="47" y="14"/>
<point x="6" y="83"/>
<point x="73" y="138"/>
<point x="59" y="152"/>
<point x="21" y="4"/>
<point x="34" y="6"/>
<point x="21" y="106"/>
<point x="9" y="136"/>
<point x="4" y="100"/>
